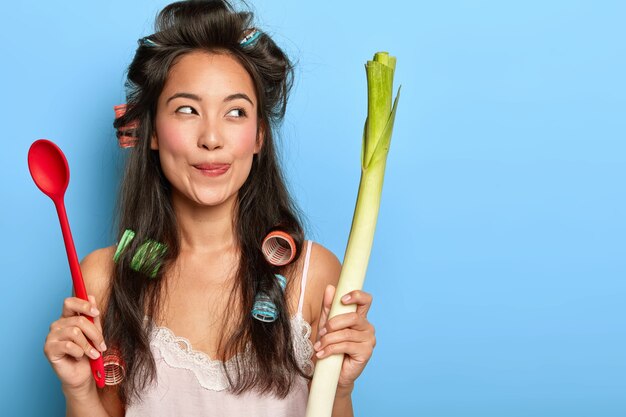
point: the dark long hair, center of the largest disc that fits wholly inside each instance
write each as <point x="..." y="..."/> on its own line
<point x="263" y="204"/>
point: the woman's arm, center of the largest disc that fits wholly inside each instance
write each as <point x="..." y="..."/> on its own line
<point x="86" y="403"/>
<point x="350" y="334"/>
<point x="97" y="271"/>
<point x="342" y="407"/>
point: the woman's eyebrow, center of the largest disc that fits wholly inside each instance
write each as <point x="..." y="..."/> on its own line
<point x="198" y="98"/>
<point x="184" y="95"/>
<point x="238" y="95"/>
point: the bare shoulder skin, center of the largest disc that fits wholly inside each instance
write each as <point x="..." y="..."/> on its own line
<point x="324" y="270"/>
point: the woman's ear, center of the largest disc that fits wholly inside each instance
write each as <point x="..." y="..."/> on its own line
<point x="154" y="142"/>
<point x="260" y="136"/>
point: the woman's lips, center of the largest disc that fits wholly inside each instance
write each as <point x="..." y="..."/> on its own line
<point x="212" y="170"/>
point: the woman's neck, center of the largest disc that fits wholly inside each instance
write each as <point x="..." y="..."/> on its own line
<point x="205" y="229"/>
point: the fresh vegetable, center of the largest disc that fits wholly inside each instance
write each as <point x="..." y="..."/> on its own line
<point x="376" y="140"/>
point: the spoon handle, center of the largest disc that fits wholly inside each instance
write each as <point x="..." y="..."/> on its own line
<point x="97" y="366"/>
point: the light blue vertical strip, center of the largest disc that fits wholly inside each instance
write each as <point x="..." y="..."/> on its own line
<point x="498" y="268"/>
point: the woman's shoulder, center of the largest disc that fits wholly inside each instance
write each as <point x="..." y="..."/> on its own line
<point x="97" y="270"/>
<point x="323" y="265"/>
<point x="323" y="270"/>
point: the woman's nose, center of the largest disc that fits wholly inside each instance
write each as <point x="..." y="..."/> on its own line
<point x="210" y="137"/>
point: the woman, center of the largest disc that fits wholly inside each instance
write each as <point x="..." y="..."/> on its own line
<point x="202" y="188"/>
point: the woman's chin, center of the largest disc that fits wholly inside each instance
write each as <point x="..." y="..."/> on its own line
<point x="211" y="201"/>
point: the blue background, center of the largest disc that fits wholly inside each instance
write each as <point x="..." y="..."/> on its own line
<point x="499" y="260"/>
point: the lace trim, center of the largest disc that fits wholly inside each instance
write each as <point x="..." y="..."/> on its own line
<point x="178" y="353"/>
<point x="303" y="348"/>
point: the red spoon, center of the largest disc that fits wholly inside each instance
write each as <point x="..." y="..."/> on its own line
<point x="49" y="169"/>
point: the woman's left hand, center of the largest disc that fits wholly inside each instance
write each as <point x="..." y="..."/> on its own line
<point x="349" y="333"/>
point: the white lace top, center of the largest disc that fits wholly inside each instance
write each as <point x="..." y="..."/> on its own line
<point x="190" y="383"/>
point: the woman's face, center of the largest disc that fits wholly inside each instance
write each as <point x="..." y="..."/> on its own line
<point x="206" y="128"/>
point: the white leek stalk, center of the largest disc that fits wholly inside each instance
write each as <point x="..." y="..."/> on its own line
<point x="376" y="140"/>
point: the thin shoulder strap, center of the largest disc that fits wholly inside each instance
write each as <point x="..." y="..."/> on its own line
<point x="305" y="271"/>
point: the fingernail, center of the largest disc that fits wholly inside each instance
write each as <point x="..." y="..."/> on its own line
<point x="345" y="298"/>
<point x="93" y="354"/>
<point x="323" y="331"/>
<point x="320" y="353"/>
<point x="317" y="345"/>
<point x="94" y="311"/>
<point x="103" y="346"/>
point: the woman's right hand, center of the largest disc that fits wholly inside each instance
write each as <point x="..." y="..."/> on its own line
<point x="67" y="346"/>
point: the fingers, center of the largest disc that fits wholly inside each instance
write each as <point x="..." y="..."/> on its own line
<point x="78" y="329"/>
<point x="71" y="341"/>
<point x="358" y="351"/>
<point x="357" y="340"/>
<point x="345" y="335"/>
<point x="92" y="329"/>
<point x="97" y="321"/>
<point x="349" y="333"/>
<point x="344" y="321"/>
<point x="68" y="341"/>
<point x="74" y="334"/>
<point x="59" y="349"/>
<point x="357" y="320"/>
<point x="74" y="305"/>
<point x="362" y="300"/>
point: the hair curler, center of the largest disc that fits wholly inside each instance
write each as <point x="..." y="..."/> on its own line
<point x="114" y="367"/>
<point x="279" y="248"/>
<point x="125" y="134"/>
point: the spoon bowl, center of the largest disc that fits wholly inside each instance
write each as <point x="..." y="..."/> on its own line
<point x="49" y="168"/>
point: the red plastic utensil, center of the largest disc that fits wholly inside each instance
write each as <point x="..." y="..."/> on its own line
<point x="51" y="173"/>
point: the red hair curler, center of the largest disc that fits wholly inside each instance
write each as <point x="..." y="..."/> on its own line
<point x="125" y="133"/>
<point x="114" y="366"/>
<point x="279" y="248"/>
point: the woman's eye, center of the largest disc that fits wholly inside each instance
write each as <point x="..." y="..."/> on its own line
<point x="242" y="112"/>
<point x="186" y="110"/>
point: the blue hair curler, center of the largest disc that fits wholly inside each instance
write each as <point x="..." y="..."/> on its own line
<point x="264" y="309"/>
<point x="251" y="37"/>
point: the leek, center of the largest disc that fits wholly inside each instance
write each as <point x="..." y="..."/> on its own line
<point x="376" y="140"/>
